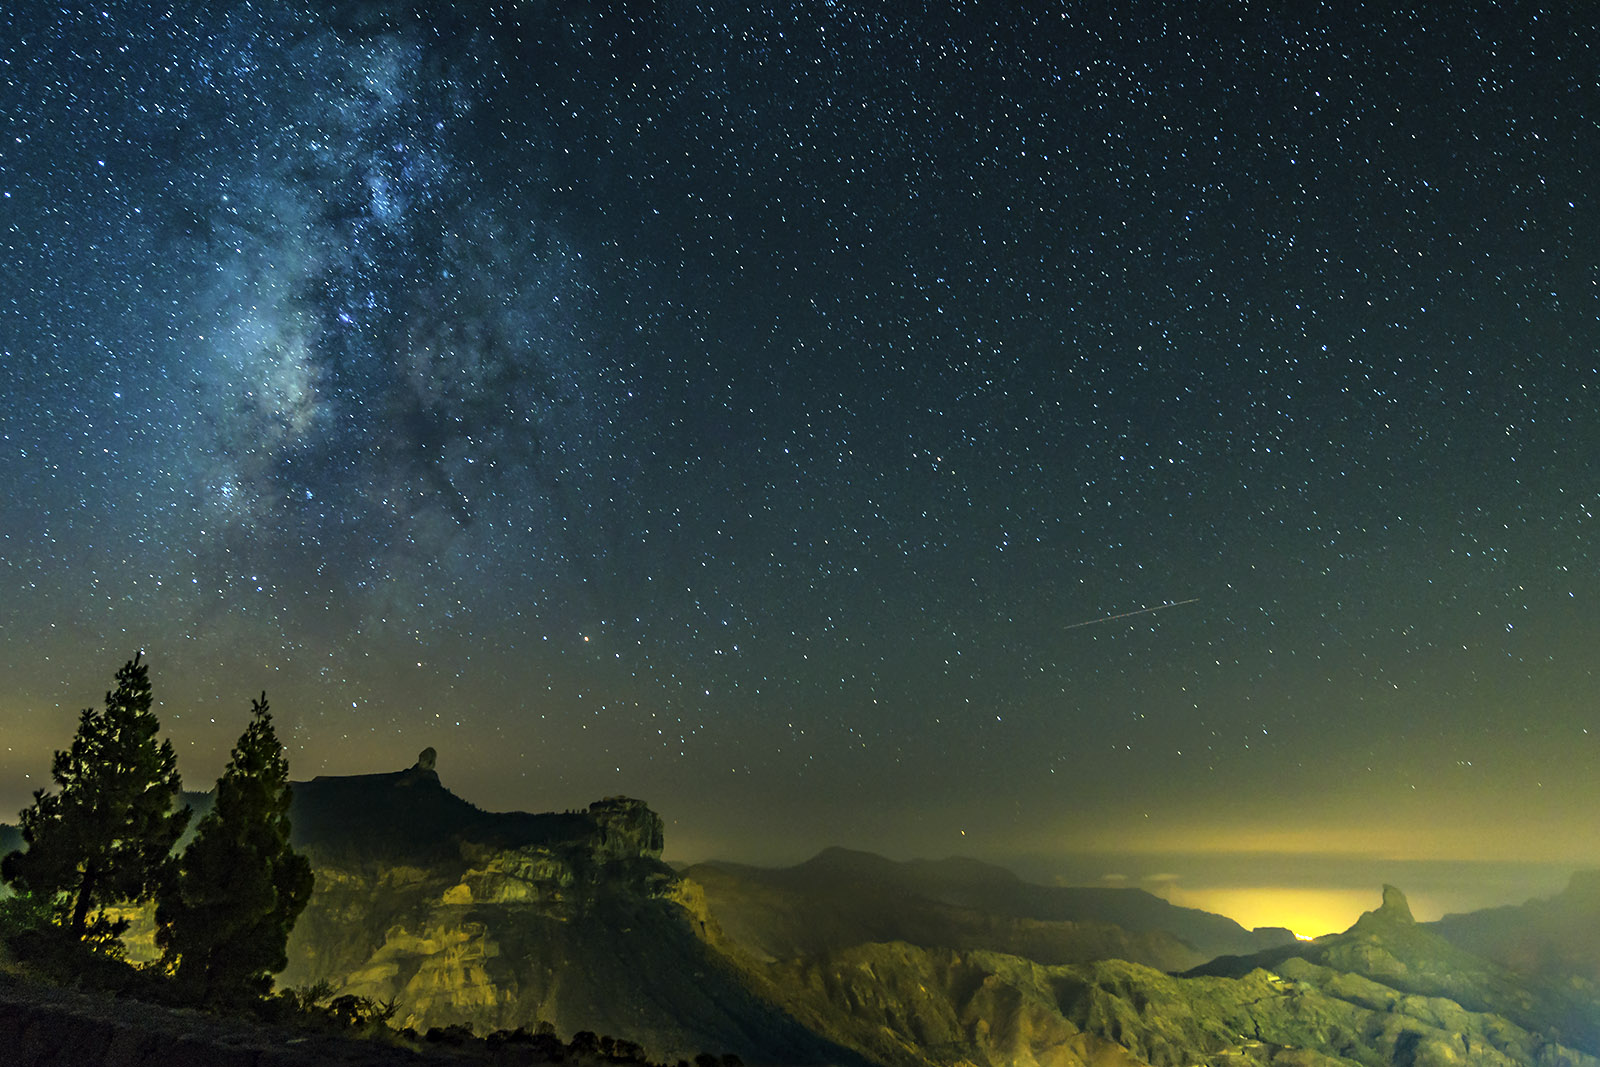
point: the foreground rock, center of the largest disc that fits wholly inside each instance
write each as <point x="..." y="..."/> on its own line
<point x="500" y="920"/>
<point x="41" y="1026"/>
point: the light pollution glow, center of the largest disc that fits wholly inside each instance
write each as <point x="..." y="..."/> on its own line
<point x="1308" y="912"/>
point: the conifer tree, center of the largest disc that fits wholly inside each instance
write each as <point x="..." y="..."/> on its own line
<point x="224" y="921"/>
<point x="107" y="835"/>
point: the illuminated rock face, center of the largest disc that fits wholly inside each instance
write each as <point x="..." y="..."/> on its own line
<point x="505" y="920"/>
<point x="499" y="921"/>
<point x="626" y="828"/>
<point x="420" y="935"/>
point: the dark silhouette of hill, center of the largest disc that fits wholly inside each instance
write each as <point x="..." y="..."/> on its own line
<point x="499" y="920"/>
<point x="1554" y="938"/>
<point x="495" y="920"/>
<point x="406" y="816"/>
<point x="842" y="897"/>
<point x="45" y="1026"/>
<point x="409" y="816"/>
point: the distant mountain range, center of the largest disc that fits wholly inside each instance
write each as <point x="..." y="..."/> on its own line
<point x="841" y="898"/>
<point x="499" y="920"/>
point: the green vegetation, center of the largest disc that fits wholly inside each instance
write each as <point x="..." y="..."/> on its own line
<point x="107" y="836"/>
<point x="224" y="908"/>
<point x="224" y="920"/>
<point x="574" y="917"/>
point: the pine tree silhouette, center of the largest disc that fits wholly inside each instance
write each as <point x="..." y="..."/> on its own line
<point x="107" y="835"/>
<point x="224" y="921"/>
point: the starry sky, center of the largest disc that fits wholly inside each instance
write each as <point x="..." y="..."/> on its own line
<point x="1142" y="443"/>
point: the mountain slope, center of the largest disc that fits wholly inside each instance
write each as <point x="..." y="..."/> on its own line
<point x="1554" y="938"/>
<point x="912" y="1007"/>
<point x="1388" y="991"/>
<point x="498" y="920"/>
<point x="841" y="898"/>
<point x="1350" y="999"/>
<point x="1410" y="961"/>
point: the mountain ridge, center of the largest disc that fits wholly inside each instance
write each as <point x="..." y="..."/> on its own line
<point x="838" y="880"/>
<point x="495" y="920"/>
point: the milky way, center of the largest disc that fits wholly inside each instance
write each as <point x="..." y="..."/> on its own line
<point x="375" y="341"/>
<point x="738" y="407"/>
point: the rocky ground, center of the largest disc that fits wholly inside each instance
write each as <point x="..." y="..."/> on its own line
<point x="44" y="1026"/>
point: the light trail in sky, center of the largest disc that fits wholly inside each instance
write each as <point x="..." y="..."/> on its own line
<point x="1129" y="614"/>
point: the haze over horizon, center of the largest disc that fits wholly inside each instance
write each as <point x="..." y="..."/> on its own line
<point x="1134" y="441"/>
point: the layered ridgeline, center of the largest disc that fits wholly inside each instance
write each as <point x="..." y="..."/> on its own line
<point x="500" y="920"/>
<point x="1389" y="991"/>
<point x="841" y="898"/>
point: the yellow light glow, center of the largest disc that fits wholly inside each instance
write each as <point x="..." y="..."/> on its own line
<point x="1308" y="912"/>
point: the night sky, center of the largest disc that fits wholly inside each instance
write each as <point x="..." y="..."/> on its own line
<point x="745" y="408"/>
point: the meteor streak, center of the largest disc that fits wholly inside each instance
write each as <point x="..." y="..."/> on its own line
<point x="1141" y="611"/>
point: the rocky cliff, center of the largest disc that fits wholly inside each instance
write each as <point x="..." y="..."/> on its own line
<point x="499" y="920"/>
<point x="1360" y="998"/>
